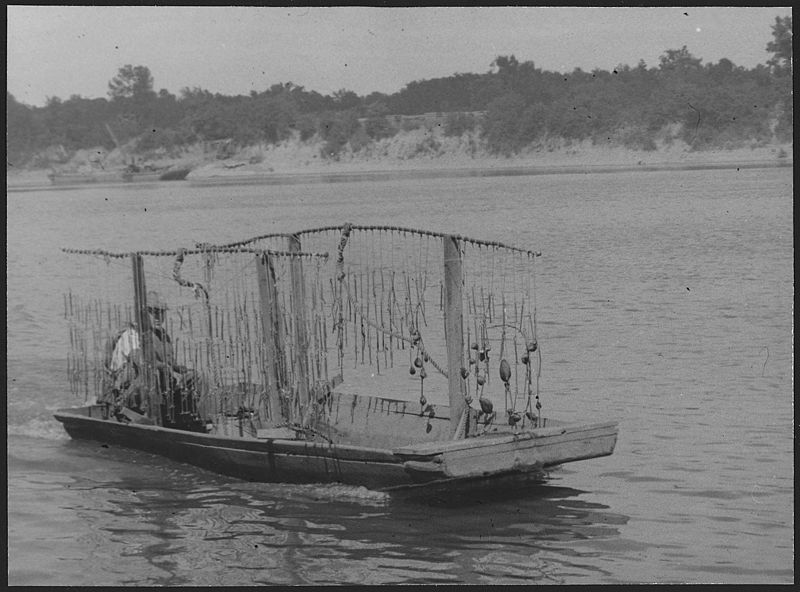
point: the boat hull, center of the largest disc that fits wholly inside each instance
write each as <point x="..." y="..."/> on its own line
<point x="488" y="459"/>
<point x="150" y="176"/>
<point x="523" y="451"/>
<point x="113" y="177"/>
<point x="250" y="459"/>
<point x="84" y="178"/>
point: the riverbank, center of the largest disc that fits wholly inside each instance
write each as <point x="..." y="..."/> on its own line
<point x="429" y="153"/>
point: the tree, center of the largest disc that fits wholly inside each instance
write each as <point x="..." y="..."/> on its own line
<point x="502" y="124"/>
<point x="506" y="65"/>
<point x="131" y="82"/>
<point x="19" y="131"/>
<point x="344" y="99"/>
<point x="679" y="60"/>
<point x="781" y="66"/>
<point x="781" y="46"/>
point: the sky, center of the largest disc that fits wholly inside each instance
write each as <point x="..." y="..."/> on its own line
<point x="60" y="51"/>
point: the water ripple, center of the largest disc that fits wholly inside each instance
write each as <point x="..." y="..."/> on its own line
<point x="665" y="302"/>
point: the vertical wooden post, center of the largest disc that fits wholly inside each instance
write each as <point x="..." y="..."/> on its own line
<point x="300" y="329"/>
<point x="268" y="295"/>
<point x="453" y="330"/>
<point x="149" y="376"/>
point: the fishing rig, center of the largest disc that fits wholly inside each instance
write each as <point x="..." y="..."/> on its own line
<point x="273" y="324"/>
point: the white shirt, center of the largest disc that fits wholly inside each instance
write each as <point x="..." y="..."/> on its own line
<point x="127" y="343"/>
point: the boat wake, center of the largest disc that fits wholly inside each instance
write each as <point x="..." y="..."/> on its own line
<point x="45" y="429"/>
<point x="338" y="492"/>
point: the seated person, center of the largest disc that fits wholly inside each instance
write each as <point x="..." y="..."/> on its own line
<point x="179" y="386"/>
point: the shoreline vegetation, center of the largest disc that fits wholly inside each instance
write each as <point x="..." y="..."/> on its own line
<point x="514" y="119"/>
<point x="406" y="155"/>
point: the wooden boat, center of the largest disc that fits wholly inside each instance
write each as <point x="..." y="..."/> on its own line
<point x="285" y="337"/>
<point x="77" y="178"/>
<point x="133" y="173"/>
<point x="149" y="175"/>
<point x="119" y="176"/>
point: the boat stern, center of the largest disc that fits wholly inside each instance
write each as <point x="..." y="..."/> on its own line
<point x="499" y="453"/>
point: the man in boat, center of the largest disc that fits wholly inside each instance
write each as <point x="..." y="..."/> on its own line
<point x="126" y="386"/>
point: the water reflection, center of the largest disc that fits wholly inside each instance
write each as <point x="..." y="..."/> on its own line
<point x="192" y="527"/>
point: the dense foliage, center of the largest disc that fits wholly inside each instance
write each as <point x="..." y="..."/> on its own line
<point x="513" y="105"/>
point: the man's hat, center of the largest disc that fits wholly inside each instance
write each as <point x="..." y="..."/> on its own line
<point x="154" y="300"/>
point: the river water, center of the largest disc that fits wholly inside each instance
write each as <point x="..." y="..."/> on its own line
<point x="665" y="301"/>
